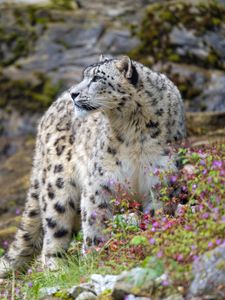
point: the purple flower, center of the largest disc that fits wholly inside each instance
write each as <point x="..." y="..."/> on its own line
<point x="152" y="241"/>
<point x="18" y="212"/>
<point x="216" y="210"/>
<point x="204" y="172"/>
<point x="5" y="244"/>
<point x="209" y="179"/>
<point x="173" y="179"/>
<point x="93" y="215"/>
<point x="193" y="247"/>
<point x="217" y="163"/>
<point x="156" y="171"/>
<point x="205" y="215"/>
<point x="196" y="258"/>
<point x="165" y="282"/>
<point x="202" y="162"/>
<point x="164" y="219"/>
<point x="187" y="227"/>
<point x="222" y="173"/>
<point x="184" y="188"/>
<point x="180" y="257"/>
<point x="223" y="218"/>
<point x="210" y="244"/>
<point x="194" y="186"/>
<point x="160" y="254"/>
<point x="30" y="284"/>
<point x="155" y="224"/>
<point x="218" y="241"/>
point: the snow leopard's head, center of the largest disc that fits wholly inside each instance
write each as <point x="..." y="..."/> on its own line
<point x="107" y="85"/>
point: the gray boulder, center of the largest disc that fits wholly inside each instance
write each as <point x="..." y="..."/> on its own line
<point x="209" y="275"/>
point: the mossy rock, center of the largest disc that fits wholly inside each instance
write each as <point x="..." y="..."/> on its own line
<point x="28" y="95"/>
<point x="21" y="25"/>
<point x="161" y="18"/>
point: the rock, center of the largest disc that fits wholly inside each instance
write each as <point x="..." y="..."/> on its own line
<point x="85" y="288"/>
<point x="209" y="275"/>
<point x="200" y="123"/>
<point x="212" y="90"/>
<point x="175" y="297"/>
<point x="49" y="291"/>
<point x="86" y="296"/>
<point x="132" y="297"/>
<point x="197" y="85"/>
<point x="102" y="283"/>
<point x="187" y="43"/>
<point x="138" y="281"/>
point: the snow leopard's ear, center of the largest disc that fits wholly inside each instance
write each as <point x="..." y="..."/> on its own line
<point x="125" y="66"/>
<point x="102" y="57"/>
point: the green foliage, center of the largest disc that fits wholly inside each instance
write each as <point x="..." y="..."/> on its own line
<point x="139" y="240"/>
<point x="1" y="251"/>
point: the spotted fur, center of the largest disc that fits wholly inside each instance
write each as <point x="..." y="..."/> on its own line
<point x="113" y="127"/>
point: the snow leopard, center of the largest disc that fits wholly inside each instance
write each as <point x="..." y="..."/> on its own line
<point x="104" y="131"/>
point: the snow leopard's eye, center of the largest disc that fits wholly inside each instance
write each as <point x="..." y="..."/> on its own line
<point x="96" y="78"/>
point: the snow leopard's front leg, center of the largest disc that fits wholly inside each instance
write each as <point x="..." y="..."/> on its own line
<point x="96" y="212"/>
<point x="61" y="219"/>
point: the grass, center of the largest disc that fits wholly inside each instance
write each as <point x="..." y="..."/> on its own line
<point x="164" y="243"/>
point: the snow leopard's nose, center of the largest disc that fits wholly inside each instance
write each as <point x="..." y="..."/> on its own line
<point x="74" y="95"/>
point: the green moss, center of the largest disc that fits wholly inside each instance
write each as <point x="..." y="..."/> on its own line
<point x="63" y="4"/>
<point x="174" y="57"/>
<point x="25" y="95"/>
